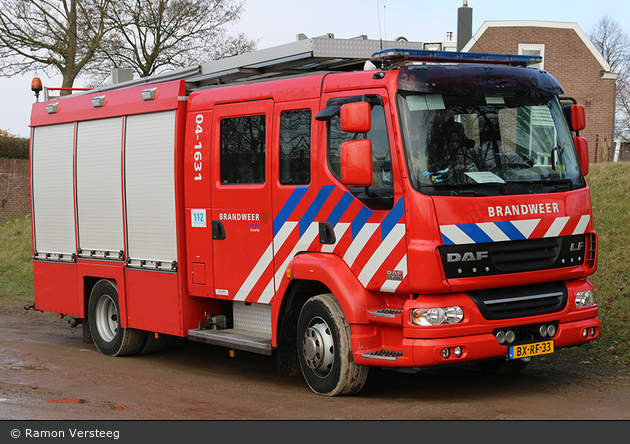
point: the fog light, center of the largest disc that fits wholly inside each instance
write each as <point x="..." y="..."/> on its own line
<point x="446" y="353"/>
<point x="585" y="333"/>
<point x="501" y="337"/>
<point x="458" y="352"/>
<point x="551" y="330"/>
<point x="584" y="298"/>
<point x="510" y="336"/>
<point x="592" y="331"/>
<point x="543" y="331"/>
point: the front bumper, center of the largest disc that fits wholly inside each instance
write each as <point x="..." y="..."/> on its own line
<point x="398" y="343"/>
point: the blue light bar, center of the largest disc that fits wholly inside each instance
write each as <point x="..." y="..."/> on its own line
<point x="425" y="55"/>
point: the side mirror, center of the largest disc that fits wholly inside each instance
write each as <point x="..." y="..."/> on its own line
<point x="356" y="163"/>
<point x="356" y="117"/>
<point x="582" y="151"/>
<point x="575" y="117"/>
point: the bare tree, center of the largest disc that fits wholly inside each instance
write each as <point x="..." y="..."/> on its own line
<point x="614" y="44"/>
<point x="59" y="36"/>
<point x="76" y="37"/>
<point x="156" y="35"/>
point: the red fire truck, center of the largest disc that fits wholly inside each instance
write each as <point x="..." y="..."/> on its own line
<point x="428" y="208"/>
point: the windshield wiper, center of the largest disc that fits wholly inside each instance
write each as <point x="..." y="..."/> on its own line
<point x="550" y="185"/>
<point x="469" y="189"/>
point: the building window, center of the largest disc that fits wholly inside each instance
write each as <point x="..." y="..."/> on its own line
<point x="533" y="49"/>
<point x="243" y="150"/>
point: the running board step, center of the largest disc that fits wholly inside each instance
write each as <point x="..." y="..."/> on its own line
<point x="387" y="355"/>
<point x="386" y="316"/>
<point x="234" y="338"/>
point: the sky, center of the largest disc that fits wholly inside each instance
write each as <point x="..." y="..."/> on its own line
<point x="276" y="22"/>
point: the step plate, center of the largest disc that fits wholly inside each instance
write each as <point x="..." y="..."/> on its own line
<point x="234" y="338"/>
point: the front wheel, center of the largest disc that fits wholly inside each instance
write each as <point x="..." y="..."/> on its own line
<point x="104" y="320"/>
<point x="325" y="350"/>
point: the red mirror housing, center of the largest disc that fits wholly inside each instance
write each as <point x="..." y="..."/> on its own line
<point x="356" y="163"/>
<point x="581" y="147"/>
<point x="356" y="117"/>
<point x="575" y="117"/>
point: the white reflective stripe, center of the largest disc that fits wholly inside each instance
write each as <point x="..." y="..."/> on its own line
<point x="456" y="235"/>
<point x="340" y="230"/>
<point x="390" y="286"/>
<point x="283" y="234"/>
<point x="267" y="293"/>
<point x="359" y="242"/>
<point x="381" y="253"/>
<point x="255" y="275"/>
<point x="493" y="232"/>
<point x="556" y="227"/>
<point x="526" y="227"/>
<point x="264" y="262"/>
<point x="305" y="241"/>
<point x="582" y="224"/>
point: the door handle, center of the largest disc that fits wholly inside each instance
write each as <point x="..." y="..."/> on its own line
<point x="326" y="233"/>
<point x="218" y="230"/>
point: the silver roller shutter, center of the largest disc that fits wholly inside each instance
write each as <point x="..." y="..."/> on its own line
<point x="53" y="194"/>
<point x="150" y="189"/>
<point x="99" y="188"/>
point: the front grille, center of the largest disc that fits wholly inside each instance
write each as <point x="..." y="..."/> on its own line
<point x="493" y="258"/>
<point x="527" y="255"/>
<point x="522" y="301"/>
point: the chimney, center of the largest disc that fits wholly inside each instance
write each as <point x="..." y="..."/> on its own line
<point x="464" y="25"/>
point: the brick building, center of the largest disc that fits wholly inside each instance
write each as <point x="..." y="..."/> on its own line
<point x="14" y="188"/>
<point x="568" y="55"/>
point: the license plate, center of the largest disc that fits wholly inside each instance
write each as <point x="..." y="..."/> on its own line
<point x="534" y="349"/>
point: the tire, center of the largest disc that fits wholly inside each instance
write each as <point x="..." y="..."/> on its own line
<point x="103" y="314"/>
<point x="325" y="350"/>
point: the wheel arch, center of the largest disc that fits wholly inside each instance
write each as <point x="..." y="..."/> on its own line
<point x="313" y="274"/>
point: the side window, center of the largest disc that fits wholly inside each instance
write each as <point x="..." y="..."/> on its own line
<point x="243" y="150"/>
<point x="295" y="147"/>
<point x="381" y="157"/>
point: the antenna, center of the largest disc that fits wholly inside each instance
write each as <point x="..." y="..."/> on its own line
<point x="385" y="20"/>
<point x="378" y="13"/>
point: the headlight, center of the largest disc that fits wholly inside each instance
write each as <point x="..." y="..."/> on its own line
<point x="437" y="316"/>
<point x="584" y="298"/>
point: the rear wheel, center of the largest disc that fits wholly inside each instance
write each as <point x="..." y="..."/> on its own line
<point x="104" y="320"/>
<point x="325" y="350"/>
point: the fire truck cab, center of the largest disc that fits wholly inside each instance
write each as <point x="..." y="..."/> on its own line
<point x="429" y="210"/>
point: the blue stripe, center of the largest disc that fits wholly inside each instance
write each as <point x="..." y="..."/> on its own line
<point x="510" y="230"/>
<point x="340" y="209"/>
<point x="446" y="240"/>
<point x="392" y="218"/>
<point x="313" y="210"/>
<point x="287" y="209"/>
<point x="360" y="220"/>
<point x="475" y="233"/>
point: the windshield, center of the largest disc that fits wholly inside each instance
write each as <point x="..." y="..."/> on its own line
<point x="478" y="145"/>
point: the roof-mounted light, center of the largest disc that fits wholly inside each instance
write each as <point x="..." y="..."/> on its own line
<point x="36" y="87"/>
<point x="398" y="56"/>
